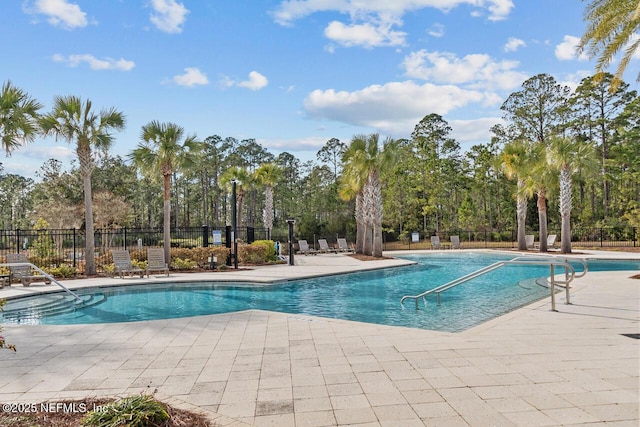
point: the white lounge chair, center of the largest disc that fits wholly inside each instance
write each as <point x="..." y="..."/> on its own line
<point x="23" y="272"/>
<point x="551" y="240"/>
<point x="343" y="246"/>
<point x="435" y="242"/>
<point x="529" y="240"/>
<point x="122" y="264"/>
<point x="156" y="262"/>
<point x="324" y="246"/>
<point x="305" y="249"/>
<point x="455" y="242"/>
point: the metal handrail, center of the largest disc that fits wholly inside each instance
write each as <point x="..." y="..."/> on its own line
<point x="45" y="274"/>
<point x="570" y="274"/>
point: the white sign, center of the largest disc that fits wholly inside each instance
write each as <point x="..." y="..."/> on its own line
<point x="217" y="237"/>
<point x="415" y="237"/>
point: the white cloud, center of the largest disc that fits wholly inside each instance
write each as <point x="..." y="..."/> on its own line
<point x="475" y="70"/>
<point x="61" y="13"/>
<point x="95" y="63"/>
<point x="514" y="44"/>
<point x="191" y="77"/>
<point x="436" y="30"/>
<point x="394" y="107"/>
<point x="310" y="143"/>
<point x="366" y="35"/>
<point x="476" y="131"/>
<point x="291" y="10"/>
<point x="566" y="50"/>
<point x="168" y="15"/>
<point x="256" y="81"/>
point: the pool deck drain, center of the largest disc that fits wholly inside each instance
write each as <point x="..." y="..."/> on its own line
<point x="529" y="367"/>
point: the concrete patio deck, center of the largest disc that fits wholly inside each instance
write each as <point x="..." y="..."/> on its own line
<point x="531" y="367"/>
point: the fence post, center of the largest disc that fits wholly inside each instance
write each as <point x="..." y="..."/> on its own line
<point x="205" y="236"/>
<point x="601" y="237"/>
<point x="75" y="253"/>
<point x="635" y="234"/>
<point x="18" y="240"/>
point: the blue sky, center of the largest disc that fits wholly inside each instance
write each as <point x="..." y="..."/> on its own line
<point x="291" y="74"/>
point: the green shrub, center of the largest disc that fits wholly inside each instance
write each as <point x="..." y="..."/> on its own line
<point x="134" y="411"/>
<point x="271" y="255"/>
<point x="252" y="254"/>
<point x="63" y="270"/>
<point x="183" y="264"/>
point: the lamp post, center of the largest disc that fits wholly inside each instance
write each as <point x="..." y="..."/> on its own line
<point x="234" y="224"/>
<point x="291" y="222"/>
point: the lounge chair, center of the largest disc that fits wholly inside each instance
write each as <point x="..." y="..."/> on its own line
<point x="528" y="239"/>
<point x="122" y="264"/>
<point x="156" y="262"/>
<point x="435" y="242"/>
<point x="305" y="249"/>
<point x="551" y="241"/>
<point x="343" y="246"/>
<point x="324" y="246"/>
<point x="455" y="242"/>
<point x="23" y="272"/>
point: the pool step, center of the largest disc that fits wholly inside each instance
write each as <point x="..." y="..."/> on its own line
<point x="19" y="312"/>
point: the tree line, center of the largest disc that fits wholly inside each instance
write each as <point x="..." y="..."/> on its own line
<point x="576" y="153"/>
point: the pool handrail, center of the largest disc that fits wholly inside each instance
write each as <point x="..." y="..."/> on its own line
<point x="45" y="274"/>
<point x="552" y="262"/>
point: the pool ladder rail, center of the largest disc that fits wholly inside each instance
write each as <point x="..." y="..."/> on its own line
<point x="552" y="262"/>
<point x="77" y="299"/>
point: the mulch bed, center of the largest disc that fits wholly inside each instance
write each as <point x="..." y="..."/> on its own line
<point x="362" y="257"/>
<point x="73" y="417"/>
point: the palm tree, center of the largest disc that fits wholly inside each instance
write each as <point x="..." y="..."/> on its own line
<point x="364" y="162"/>
<point x="612" y="26"/>
<point x="18" y="117"/>
<point x="267" y="175"/>
<point x="515" y="163"/>
<point x="164" y="150"/>
<point x="567" y="155"/>
<point x="73" y="120"/>
<point x="243" y="181"/>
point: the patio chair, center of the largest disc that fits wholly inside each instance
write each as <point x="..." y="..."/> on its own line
<point x="455" y="242"/>
<point x="343" y="246"/>
<point x="551" y="240"/>
<point x="156" y="262"/>
<point x="122" y="264"/>
<point x="529" y="240"/>
<point x="324" y="246"/>
<point x="23" y="272"/>
<point x="435" y="242"/>
<point x="305" y="249"/>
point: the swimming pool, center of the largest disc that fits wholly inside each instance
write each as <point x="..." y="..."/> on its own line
<point x="371" y="297"/>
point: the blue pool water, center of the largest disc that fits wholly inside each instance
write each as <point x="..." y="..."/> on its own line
<point x="372" y="297"/>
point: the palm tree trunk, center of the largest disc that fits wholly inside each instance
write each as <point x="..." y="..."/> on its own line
<point x="167" y="217"/>
<point x="542" y="218"/>
<point x="565" y="210"/>
<point x="376" y="199"/>
<point x="90" y="259"/>
<point x="521" y="212"/>
<point x="360" y="225"/>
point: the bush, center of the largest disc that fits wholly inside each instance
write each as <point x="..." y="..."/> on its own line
<point x="252" y="254"/>
<point x="64" y="271"/>
<point x="271" y="255"/>
<point x="183" y="264"/>
<point x="135" y="411"/>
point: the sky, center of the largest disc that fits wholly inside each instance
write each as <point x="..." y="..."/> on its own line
<point x="291" y="74"/>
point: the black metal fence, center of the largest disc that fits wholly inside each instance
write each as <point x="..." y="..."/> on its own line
<point x="53" y="247"/>
<point x="604" y="237"/>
